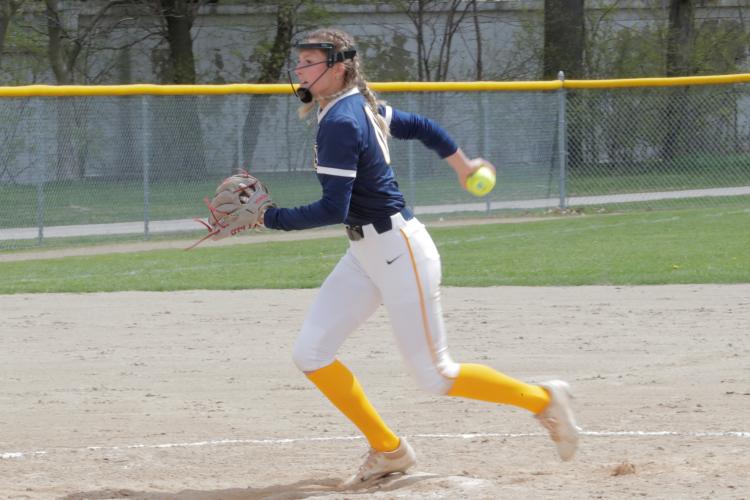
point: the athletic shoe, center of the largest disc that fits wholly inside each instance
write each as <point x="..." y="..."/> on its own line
<point x="379" y="464"/>
<point x="558" y="418"/>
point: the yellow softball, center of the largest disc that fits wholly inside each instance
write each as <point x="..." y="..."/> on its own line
<point x="481" y="182"/>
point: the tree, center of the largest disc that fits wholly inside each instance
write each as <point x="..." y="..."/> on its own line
<point x="434" y="34"/>
<point x="8" y="9"/>
<point x="272" y="60"/>
<point x="177" y="17"/>
<point x="680" y="37"/>
<point x="679" y="54"/>
<point x="176" y="132"/>
<point x="171" y="22"/>
<point x="564" y="36"/>
<point x="478" y="37"/>
<point x="70" y="45"/>
<point x="291" y="17"/>
<point x="73" y="45"/>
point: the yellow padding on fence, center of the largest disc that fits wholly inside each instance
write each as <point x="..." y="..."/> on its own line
<point x="658" y="82"/>
<point x="281" y="88"/>
<point x="142" y="89"/>
<point x="463" y="86"/>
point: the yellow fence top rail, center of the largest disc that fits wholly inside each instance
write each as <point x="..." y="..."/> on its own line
<point x="248" y="88"/>
<point x="679" y="81"/>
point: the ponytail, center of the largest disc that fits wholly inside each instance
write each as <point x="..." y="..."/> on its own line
<point x="372" y="103"/>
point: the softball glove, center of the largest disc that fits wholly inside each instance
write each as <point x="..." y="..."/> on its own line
<point x="238" y="205"/>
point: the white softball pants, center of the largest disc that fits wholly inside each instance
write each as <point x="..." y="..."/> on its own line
<point x="401" y="269"/>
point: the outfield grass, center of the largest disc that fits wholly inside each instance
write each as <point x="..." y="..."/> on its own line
<point x="104" y="201"/>
<point x="687" y="246"/>
<point x="687" y="172"/>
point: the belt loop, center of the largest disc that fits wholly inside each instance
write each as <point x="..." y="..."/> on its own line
<point x="355" y="233"/>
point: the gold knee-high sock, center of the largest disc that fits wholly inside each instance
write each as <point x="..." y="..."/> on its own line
<point x="483" y="383"/>
<point x="341" y="387"/>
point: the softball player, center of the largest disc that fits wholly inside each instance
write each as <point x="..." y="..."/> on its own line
<point x="391" y="260"/>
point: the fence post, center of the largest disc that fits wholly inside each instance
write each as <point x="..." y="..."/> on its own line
<point x="484" y="139"/>
<point x="145" y="134"/>
<point x="562" y="140"/>
<point x="41" y="174"/>
<point x="40" y="206"/>
<point x="410" y="161"/>
<point x="241" y="112"/>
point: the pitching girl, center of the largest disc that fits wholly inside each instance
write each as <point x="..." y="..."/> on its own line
<point x="391" y="260"/>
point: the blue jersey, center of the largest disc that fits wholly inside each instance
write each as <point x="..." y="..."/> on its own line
<point x="352" y="162"/>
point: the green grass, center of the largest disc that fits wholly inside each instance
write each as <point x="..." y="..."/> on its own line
<point x="708" y="246"/>
<point x="687" y="246"/>
<point x="105" y="201"/>
<point x="687" y="172"/>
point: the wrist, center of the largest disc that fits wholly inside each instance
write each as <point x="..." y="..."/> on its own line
<point x="462" y="165"/>
<point x="262" y="214"/>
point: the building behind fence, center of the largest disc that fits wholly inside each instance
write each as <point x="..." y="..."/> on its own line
<point x="76" y="161"/>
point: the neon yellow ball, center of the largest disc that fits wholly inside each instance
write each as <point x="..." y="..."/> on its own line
<point x="481" y="182"/>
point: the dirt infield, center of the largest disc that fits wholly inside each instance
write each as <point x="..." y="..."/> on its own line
<point x="175" y="396"/>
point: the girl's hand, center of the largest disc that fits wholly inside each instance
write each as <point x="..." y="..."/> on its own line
<point x="465" y="166"/>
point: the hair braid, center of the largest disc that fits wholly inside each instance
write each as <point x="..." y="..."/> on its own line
<point x="370" y="97"/>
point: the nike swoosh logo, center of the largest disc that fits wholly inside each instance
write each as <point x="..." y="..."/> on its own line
<point x="389" y="262"/>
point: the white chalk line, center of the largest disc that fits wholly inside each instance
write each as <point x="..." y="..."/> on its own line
<point x="221" y="442"/>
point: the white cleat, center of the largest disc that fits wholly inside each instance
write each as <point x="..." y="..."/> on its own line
<point x="379" y="464"/>
<point x="558" y="418"/>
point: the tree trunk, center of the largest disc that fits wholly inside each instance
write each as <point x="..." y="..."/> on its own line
<point x="680" y="37"/>
<point x="273" y="63"/>
<point x="564" y="36"/>
<point x="423" y="70"/>
<point x="564" y="33"/>
<point x="65" y="167"/>
<point x="272" y="67"/>
<point x="453" y="22"/>
<point x="680" y="42"/>
<point x="177" y="150"/>
<point x="55" y="47"/>
<point x="178" y="16"/>
<point x="478" y="33"/>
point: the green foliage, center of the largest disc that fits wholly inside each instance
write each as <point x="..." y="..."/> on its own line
<point x="387" y="59"/>
<point x="637" y="53"/>
<point x="523" y="60"/>
<point x="689" y="246"/>
<point x="616" y="50"/>
<point x="720" y="47"/>
<point x="25" y="53"/>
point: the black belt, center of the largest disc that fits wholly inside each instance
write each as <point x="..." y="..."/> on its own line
<point x="356" y="233"/>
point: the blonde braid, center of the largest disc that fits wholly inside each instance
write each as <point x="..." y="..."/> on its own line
<point x="372" y="103"/>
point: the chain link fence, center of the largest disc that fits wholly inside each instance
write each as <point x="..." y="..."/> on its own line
<point x="73" y="167"/>
<point x="661" y="146"/>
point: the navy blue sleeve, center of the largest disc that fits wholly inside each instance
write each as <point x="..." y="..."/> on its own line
<point x="332" y="208"/>
<point x="336" y="163"/>
<point x="412" y="126"/>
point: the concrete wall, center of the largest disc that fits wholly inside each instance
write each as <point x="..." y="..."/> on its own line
<point x="226" y="36"/>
